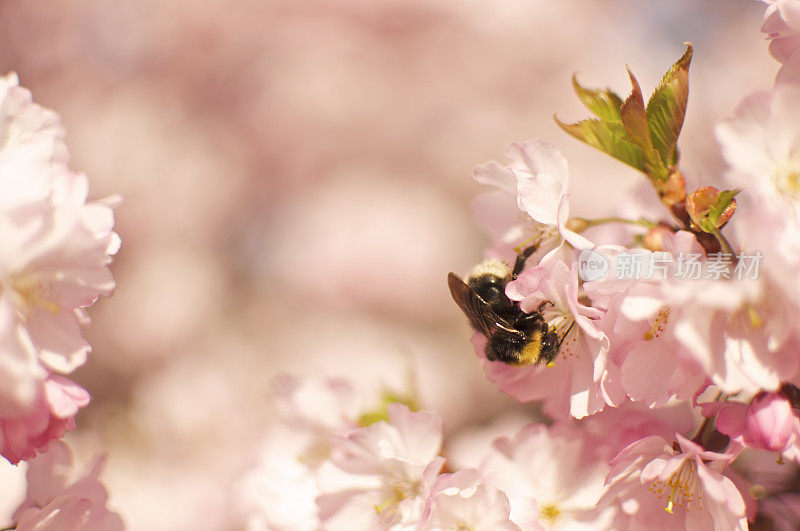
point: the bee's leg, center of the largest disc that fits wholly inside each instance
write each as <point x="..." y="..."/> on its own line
<point x="536" y="315"/>
<point x="527" y="318"/>
<point x="522" y="257"/>
<point x="550" y="345"/>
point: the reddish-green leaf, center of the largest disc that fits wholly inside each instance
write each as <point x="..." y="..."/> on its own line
<point x="634" y="119"/>
<point x="667" y="108"/>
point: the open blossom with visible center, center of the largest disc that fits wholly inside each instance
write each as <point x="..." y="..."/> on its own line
<point x="462" y="501"/>
<point x="57" y="500"/>
<point x="568" y="386"/>
<point x="53" y="263"/>
<point x="645" y="361"/>
<point x="537" y="179"/>
<point x="55" y="248"/>
<point x="740" y="332"/>
<point x="280" y="491"/>
<point x="650" y="364"/>
<point x="761" y="143"/>
<point x="553" y="477"/>
<point x="384" y="472"/>
<point x="665" y="485"/>
<point x="672" y="333"/>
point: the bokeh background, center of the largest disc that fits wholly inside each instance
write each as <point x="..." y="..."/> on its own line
<point x="296" y="183"/>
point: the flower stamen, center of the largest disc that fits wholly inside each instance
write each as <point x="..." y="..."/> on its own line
<point x="658" y="324"/>
<point x="397" y="492"/>
<point x="550" y="513"/>
<point x="563" y="325"/>
<point x="33" y="293"/>
<point x="682" y="486"/>
<point x="787" y="179"/>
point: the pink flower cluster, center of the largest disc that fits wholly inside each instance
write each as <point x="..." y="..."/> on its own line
<point x="667" y="390"/>
<point x="54" y="260"/>
<point x="55" y="248"/>
<point x="622" y="468"/>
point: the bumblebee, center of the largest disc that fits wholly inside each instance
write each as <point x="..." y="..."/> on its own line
<point x="512" y="336"/>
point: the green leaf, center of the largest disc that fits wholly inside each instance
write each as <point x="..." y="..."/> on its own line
<point x="667" y="108"/>
<point x="708" y="227"/>
<point x="724" y="200"/>
<point x="634" y="119"/>
<point x="609" y="137"/>
<point x="605" y="104"/>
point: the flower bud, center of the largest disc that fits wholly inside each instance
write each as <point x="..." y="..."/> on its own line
<point x="654" y="239"/>
<point x="770" y="422"/>
<point x="699" y="204"/>
<point x="576" y="224"/>
<point x="673" y="190"/>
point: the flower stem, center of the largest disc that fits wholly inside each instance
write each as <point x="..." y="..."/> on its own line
<point x="723" y="243"/>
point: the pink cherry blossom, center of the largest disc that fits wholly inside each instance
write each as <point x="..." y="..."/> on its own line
<point x="383" y="472"/>
<point x="55" y="263"/>
<point x="760" y="144"/>
<point x="553" y="477"/>
<point x="537" y="178"/>
<point x="568" y="386"/>
<point x="54" y="256"/>
<point x="646" y="361"/>
<point x="58" y="499"/>
<point x="279" y="490"/>
<point x="462" y="501"/>
<point x="674" y="485"/>
<point x="740" y="332"/>
<point x="295" y="465"/>
<point x="497" y="212"/>
<point x="671" y="333"/>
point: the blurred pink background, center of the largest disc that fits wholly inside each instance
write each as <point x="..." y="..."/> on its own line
<point x="296" y="183"/>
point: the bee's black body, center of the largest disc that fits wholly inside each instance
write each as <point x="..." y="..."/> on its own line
<point x="512" y="336"/>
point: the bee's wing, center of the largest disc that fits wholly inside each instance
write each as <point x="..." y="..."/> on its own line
<point x="477" y="310"/>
